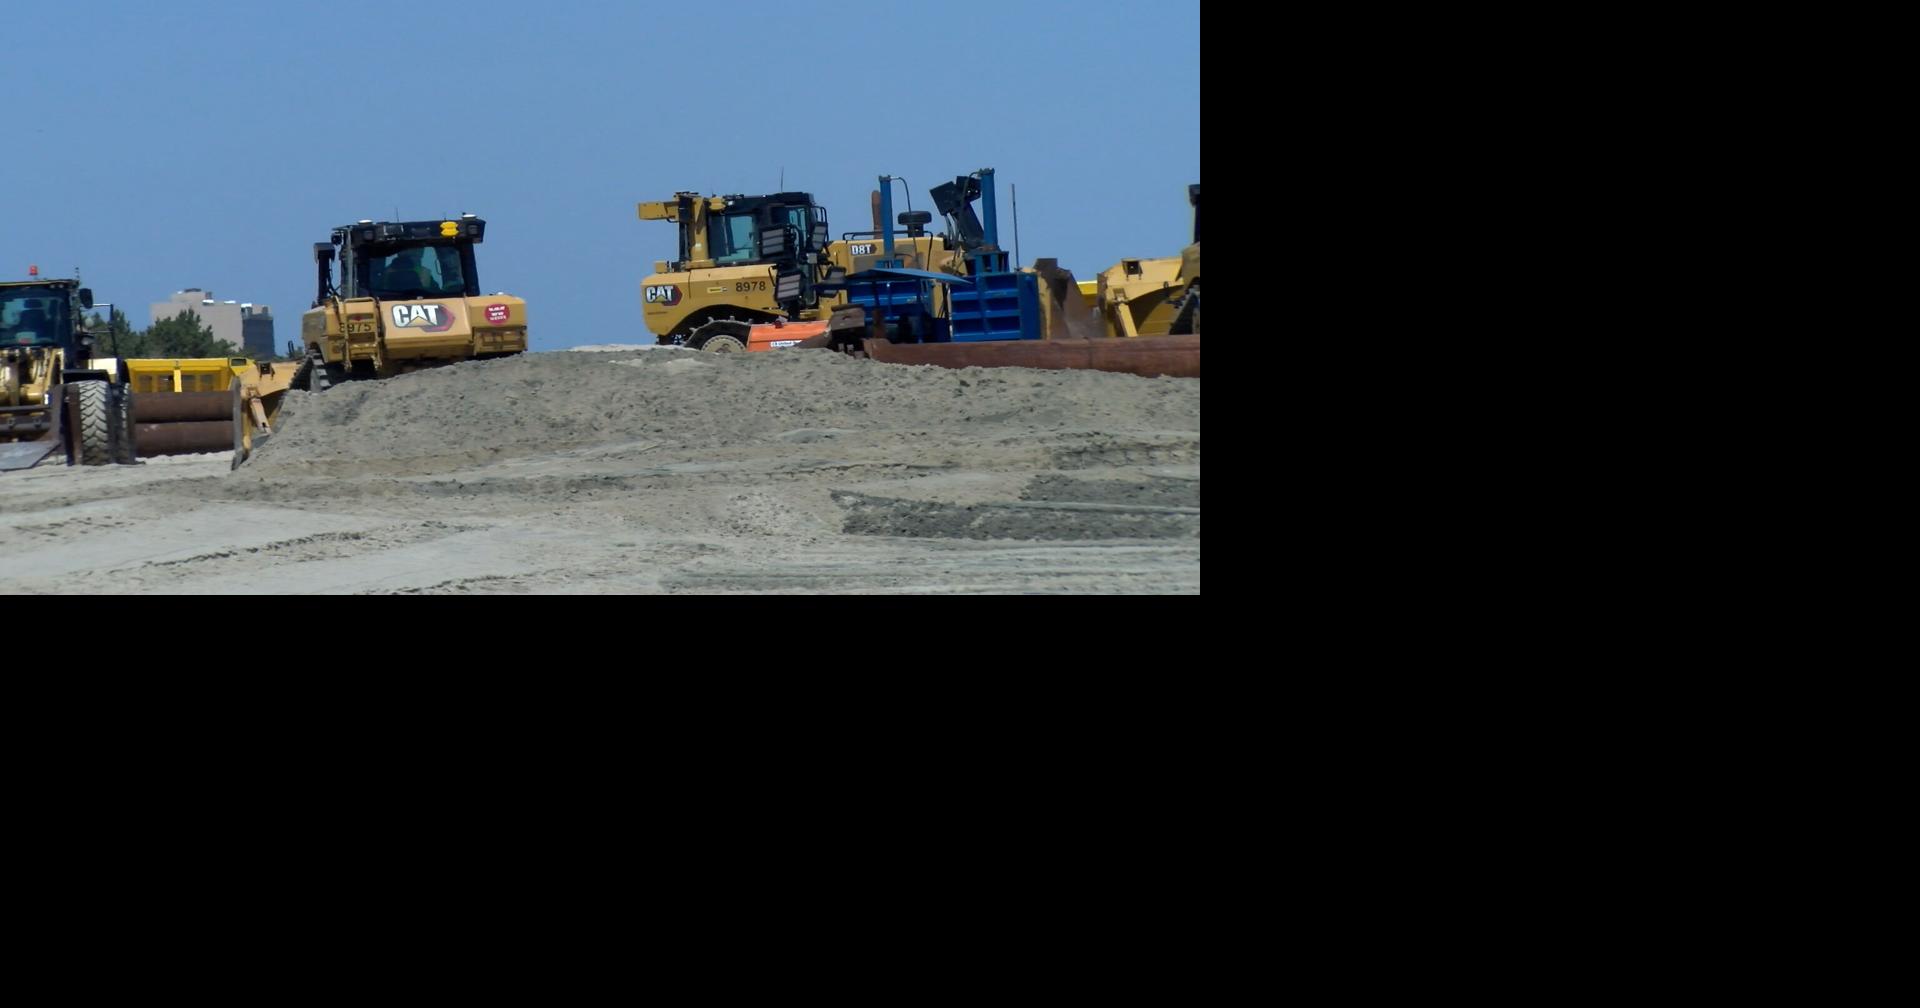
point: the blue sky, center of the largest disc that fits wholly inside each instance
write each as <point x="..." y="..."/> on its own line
<point x="210" y="143"/>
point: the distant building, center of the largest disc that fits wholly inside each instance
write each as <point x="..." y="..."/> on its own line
<point x="244" y="324"/>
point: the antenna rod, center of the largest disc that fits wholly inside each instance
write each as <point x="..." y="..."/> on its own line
<point x="1016" y="223"/>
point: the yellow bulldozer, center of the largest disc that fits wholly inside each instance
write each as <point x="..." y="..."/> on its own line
<point x="743" y="260"/>
<point x="749" y="262"/>
<point x="408" y="297"/>
<point x="1154" y="297"/>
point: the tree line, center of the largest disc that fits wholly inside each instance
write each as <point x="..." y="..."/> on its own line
<point x="183" y="335"/>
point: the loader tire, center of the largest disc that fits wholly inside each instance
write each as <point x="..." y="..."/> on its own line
<point x="122" y="421"/>
<point x="94" y="437"/>
<point x="720" y="336"/>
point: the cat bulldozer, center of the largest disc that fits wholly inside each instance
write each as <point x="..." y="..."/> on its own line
<point x="749" y="266"/>
<point x="742" y="260"/>
<point x="55" y="394"/>
<point x="408" y="297"/>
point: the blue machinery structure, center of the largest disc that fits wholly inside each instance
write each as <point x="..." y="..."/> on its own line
<point x="992" y="302"/>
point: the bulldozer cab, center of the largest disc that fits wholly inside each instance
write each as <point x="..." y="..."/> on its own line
<point x="401" y="261"/>
<point x="717" y="231"/>
<point x="418" y="271"/>
<point x="785" y="228"/>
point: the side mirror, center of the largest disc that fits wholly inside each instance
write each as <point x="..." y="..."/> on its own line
<point x="323" y="252"/>
<point x="86" y="297"/>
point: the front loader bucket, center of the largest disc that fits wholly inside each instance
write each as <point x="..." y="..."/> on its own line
<point x="26" y="454"/>
<point x="39" y="428"/>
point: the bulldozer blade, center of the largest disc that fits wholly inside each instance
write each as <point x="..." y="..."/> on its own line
<point x="27" y="454"/>
<point x="1070" y="317"/>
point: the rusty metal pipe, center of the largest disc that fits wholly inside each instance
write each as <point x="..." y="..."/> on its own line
<point x="1147" y="356"/>
<point x="184" y="437"/>
<point x="158" y="407"/>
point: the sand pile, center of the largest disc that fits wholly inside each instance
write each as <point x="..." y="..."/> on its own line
<point x="663" y="471"/>
<point x="489" y="410"/>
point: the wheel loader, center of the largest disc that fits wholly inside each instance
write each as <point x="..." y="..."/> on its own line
<point x="408" y="297"/>
<point x="55" y="394"/>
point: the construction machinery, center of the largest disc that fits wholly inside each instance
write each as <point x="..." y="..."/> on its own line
<point x="204" y="404"/>
<point x="1188" y="319"/>
<point x="743" y="260"/>
<point x="757" y="273"/>
<point x="750" y="268"/>
<point x="55" y="393"/>
<point x="1154" y="297"/>
<point x="960" y="287"/>
<point x="970" y="294"/>
<point x="972" y="308"/>
<point x="408" y="297"/>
